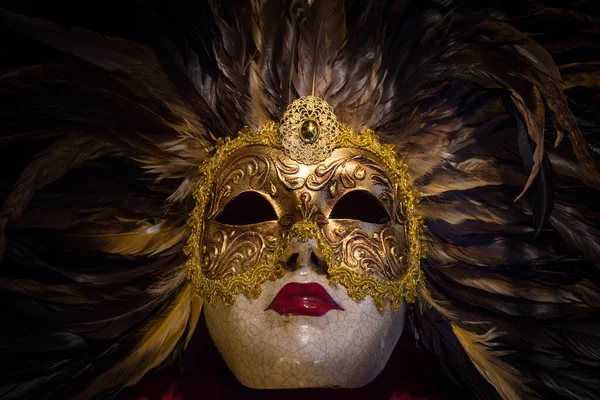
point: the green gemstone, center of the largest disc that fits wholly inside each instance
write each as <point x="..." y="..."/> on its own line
<point x="309" y="131"/>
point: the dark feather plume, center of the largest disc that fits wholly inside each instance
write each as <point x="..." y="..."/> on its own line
<point x="322" y="34"/>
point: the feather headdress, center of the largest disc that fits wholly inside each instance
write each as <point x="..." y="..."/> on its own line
<point x="493" y="110"/>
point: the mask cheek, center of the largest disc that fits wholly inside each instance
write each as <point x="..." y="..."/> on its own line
<point x="229" y="250"/>
<point x="377" y="250"/>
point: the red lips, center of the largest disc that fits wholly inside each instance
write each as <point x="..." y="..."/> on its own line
<point x="303" y="299"/>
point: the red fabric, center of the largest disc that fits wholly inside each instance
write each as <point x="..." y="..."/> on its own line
<point x="411" y="374"/>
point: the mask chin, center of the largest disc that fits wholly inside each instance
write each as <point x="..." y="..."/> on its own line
<point x="266" y="350"/>
<point x="278" y="340"/>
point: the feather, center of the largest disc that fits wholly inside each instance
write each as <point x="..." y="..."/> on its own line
<point x="468" y="175"/>
<point x="196" y="86"/>
<point x="271" y="71"/>
<point x="355" y="85"/>
<point x="48" y="167"/>
<point x="494" y="209"/>
<point x="233" y="51"/>
<point x="492" y="282"/>
<point x="585" y="74"/>
<point x="573" y="224"/>
<point x="493" y="250"/>
<point x="155" y="342"/>
<point x="436" y="335"/>
<point x="439" y="306"/>
<point x="536" y="67"/>
<point x="507" y="381"/>
<point x="543" y="184"/>
<point x="533" y="116"/>
<point x="119" y="113"/>
<point x="114" y="55"/>
<point x="143" y="242"/>
<point x="322" y="34"/>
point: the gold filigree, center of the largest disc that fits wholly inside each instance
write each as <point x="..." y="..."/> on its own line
<point x="380" y="253"/>
<point x="309" y="145"/>
<point x="254" y="167"/>
<point x="228" y="251"/>
<point x="358" y="285"/>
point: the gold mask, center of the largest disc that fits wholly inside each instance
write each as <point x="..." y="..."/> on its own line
<point x="303" y="179"/>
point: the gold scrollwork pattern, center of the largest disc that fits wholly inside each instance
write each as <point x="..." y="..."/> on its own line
<point x="380" y="255"/>
<point x="343" y="173"/>
<point x="254" y="167"/>
<point x="228" y="252"/>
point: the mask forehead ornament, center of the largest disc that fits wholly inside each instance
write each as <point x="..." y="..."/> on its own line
<point x="304" y="152"/>
<point x="309" y="130"/>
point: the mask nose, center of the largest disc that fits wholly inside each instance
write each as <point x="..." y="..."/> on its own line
<point x="304" y="255"/>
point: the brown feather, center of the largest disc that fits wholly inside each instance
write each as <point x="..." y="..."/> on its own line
<point x="585" y="74"/>
<point x="574" y="224"/>
<point x="140" y="63"/>
<point x="147" y="241"/>
<point x="154" y="344"/>
<point x="49" y="166"/>
<point x="322" y="35"/>
<point x="507" y="381"/>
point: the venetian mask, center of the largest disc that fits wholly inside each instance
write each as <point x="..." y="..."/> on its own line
<point x="305" y="247"/>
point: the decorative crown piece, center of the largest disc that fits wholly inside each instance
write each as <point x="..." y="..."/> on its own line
<point x="309" y="130"/>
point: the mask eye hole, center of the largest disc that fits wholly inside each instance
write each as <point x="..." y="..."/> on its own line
<point x="246" y="209"/>
<point x="362" y="206"/>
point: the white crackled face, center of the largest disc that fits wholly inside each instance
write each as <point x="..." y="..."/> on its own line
<point x="265" y="350"/>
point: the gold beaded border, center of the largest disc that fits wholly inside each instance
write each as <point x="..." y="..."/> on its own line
<point x="357" y="285"/>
